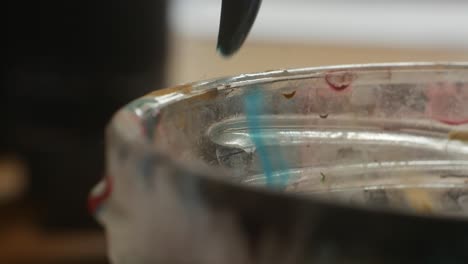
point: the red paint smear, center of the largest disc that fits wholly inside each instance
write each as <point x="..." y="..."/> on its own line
<point x="453" y="122"/>
<point x="342" y="84"/>
<point x="439" y="104"/>
<point x="95" y="201"/>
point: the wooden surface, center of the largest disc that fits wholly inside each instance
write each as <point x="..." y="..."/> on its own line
<point x="196" y="59"/>
<point x="23" y="241"/>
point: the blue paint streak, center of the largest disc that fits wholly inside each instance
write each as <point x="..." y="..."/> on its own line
<point x="253" y="107"/>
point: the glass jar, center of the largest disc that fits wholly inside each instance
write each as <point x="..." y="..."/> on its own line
<point x="347" y="164"/>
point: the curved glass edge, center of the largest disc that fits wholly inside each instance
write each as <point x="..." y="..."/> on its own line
<point x="126" y="123"/>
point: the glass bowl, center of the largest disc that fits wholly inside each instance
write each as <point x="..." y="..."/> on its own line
<point x="347" y="164"/>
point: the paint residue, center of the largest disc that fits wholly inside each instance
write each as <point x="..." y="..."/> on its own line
<point x="100" y="194"/>
<point x="339" y="81"/>
<point x="322" y="177"/>
<point x="270" y="163"/>
<point x="419" y="200"/>
<point x="458" y="135"/>
<point x="447" y="103"/>
<point x="452" y="122"/>
<point x="323" y="116"/>
<point x="289" y="95"/>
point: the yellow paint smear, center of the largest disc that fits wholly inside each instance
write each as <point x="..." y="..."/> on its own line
<point x="185" y="89"/>
<point x="458" y="135"/>
<point x="419" y="199"/>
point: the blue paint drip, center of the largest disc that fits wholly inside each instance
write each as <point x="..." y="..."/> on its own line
<point x="253" y="107"/>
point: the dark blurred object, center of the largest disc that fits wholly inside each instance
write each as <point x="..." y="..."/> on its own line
<point x="237" y="18"/>
<point x="68" y="65"/>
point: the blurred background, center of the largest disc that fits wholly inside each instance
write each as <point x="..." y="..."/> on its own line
<point x="303" y="33"/>
<point x="69" y="66"/>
